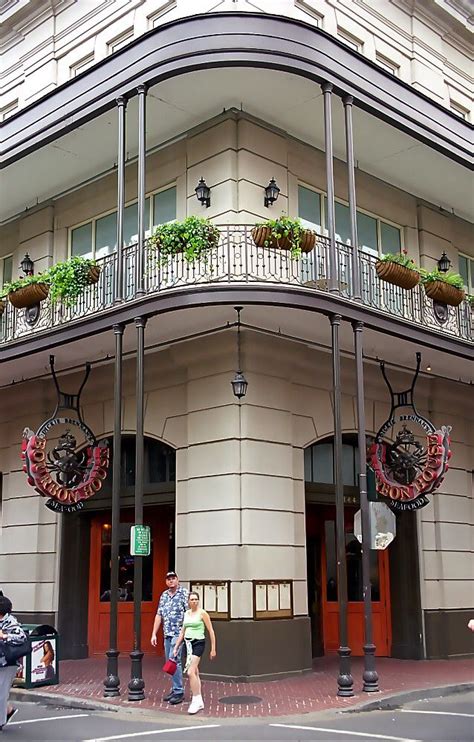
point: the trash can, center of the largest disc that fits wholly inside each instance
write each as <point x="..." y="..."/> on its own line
<point x="41" y="667"/>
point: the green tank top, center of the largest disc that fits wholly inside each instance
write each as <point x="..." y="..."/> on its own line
<point x="193" y="625"/>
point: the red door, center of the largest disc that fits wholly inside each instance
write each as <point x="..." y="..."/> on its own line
<point x="323" y="521"/>
<point x="154" y="568"/>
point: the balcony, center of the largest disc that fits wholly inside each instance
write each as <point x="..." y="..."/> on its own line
<point x="237" y="261"/>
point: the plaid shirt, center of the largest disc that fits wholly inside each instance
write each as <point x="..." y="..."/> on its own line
<point x="172" y="608"/>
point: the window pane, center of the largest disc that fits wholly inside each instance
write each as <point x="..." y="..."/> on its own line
<point x="105" y="235"/>
<point x="309" y="206"/>
<point x="161" y="462"/>
<point x="464" y="270"/>
<point x="471" y="270"/>
<point x="343" y="224"/>
<point x="81" y="241"/>
<point x="390" y="237"/>
<point x="7" y="269"/>
<point x="307" y="465"/>
<point x="164" y="206"/>
<point x="348" y="465"/>
<point x="367" y="232"/>
<point x="322" y="463"/>
<point x="130" y="222"/>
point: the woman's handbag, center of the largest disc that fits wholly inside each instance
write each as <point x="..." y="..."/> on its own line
<point x="170" y="666"/>
<point x="13" y="652"/>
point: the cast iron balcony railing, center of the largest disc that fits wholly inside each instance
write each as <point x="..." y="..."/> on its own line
<point x="237" y="260"/>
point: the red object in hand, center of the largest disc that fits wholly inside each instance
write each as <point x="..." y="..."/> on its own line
<point x="170" y="666"/>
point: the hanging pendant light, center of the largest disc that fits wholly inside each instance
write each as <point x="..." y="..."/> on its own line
<point x="239" y="382"/>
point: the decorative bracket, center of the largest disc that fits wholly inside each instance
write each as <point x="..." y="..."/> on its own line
<point x="405" y="398"/>
<point x="66" y="401"/>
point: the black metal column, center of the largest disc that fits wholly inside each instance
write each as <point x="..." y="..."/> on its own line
<point x="136" y="686"/>
<point x="370" y="676"/>
<point x="348" y="100"/>
<point x="112" y="681"/>
<point x="344" y="680"/>
<point x="333" y="283"/>
<point x="140" y="275"/>
<point x="122" y="113"/>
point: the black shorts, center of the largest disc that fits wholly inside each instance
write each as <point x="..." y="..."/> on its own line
<point x="198" y="647"/>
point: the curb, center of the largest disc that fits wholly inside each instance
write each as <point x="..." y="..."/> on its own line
<point x="385" y="703"/>
<point x="394" y="700"/>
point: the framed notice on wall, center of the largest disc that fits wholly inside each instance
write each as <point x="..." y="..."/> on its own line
<point x="272" y="599"/>
<point x="214" y="597"/>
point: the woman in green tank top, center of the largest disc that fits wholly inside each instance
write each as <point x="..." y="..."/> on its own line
<point x="196" y="621"/>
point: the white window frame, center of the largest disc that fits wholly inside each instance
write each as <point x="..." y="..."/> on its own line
<point x="379" y="219"/>
<point x="95" y="218"/>
<point x="120" y="41"/>
<point x="80" y="66"/>
<point x="153" y="18"/>
<point x="470" y="275"/>
<point x="2" y="267"/>
<point x="387" y="64"/>
<point x="9" y="110"/>
<point x="459" y="110"/>
<point x="352" y="41"/>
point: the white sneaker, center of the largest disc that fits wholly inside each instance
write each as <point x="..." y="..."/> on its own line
<point x="195" y="705"/>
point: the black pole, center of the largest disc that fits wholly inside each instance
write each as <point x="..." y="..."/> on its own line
<point x="344" y="680"/>
<point x="348" y="100"/>
<point x="141" y="189"/>
<point x="369" y="676"/>
<point x="136" y="686"/>
<point x="112" y="681"/>
<point x="121" y="109"/>
<point x="331" y="215"/>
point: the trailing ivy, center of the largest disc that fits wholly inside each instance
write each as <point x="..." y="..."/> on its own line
<point x="284" y="228"/>
<point x="68" y="279"/>
<point x="193" y="237"/>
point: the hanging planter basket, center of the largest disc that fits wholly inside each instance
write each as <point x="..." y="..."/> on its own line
<point x="444" y="293"/>
<point x="94" y="274"/>
<point x="262" y="235"/>
<point x="2" y="307"/>
<point x="28" y="296"/>
<point x="397" y="274"/>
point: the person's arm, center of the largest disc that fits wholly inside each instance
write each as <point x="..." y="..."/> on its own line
<point x="156" y="626"/>
<point x="208" y="625"/>
<point x="179" y="640"/>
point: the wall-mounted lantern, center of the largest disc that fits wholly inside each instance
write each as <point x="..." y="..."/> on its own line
<point x="203" y="193"/>
<point x="271" y="193"/>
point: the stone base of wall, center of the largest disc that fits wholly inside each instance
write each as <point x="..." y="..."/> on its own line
<point x="447" y="635"/>
<point x="259" y="650"/>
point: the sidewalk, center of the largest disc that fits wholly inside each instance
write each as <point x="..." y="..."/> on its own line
<point x="315" y="691"/>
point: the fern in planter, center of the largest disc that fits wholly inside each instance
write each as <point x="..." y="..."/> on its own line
<point x="452" y="279"/>
<point x="284" y="233"/>
<point x="68" y="279"/>
<point x="193" y="237"/>
<point x="400" y="258"/>
<point x="447" y="288"/>
<point x="20" y="283"/>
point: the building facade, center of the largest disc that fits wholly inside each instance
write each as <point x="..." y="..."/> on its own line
<point x="239" y="494"/>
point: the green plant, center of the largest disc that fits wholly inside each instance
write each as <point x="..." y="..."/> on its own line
<point x="20" y="283"/>
<point x="454" y="279"/>
<point x="470" y="299"/>
<point x="193" y="237"/>
<point x="400" y="258"/>
<point x="284" y="228"/>
<point x="68" y="279"/>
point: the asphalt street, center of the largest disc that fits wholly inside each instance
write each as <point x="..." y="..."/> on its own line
<point x="449" y="719"/>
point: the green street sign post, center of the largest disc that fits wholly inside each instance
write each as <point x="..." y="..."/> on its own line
<point x="140" y="541"/>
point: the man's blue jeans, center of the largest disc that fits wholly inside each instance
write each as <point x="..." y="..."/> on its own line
<point x="177" y="678"/>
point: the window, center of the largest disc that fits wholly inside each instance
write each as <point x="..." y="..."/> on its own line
<point x="389" y="66"/>
<point x="83" y="64"/>
<point x="7" y="110"/>
<point x="459" y="110"/>
<point x="466" y="270"/>
<point x="350" y="40"/>
<point x="120" y="41"/>
<point x="375" y="235"/>
<point x="98" y="237"/>
<point x="318" y="464"/>
<point x="6" y="267"/>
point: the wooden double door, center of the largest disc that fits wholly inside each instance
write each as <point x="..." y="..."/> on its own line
<point x="160" y="519"/>
<point x="323" y="587"/>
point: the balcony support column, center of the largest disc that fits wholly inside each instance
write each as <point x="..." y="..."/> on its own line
<point x="112" y="681"/>
<point x="140" y="275"/>
<point x="370" y="676"/>
<point x="136" y="686"/>
<point x="345" y="683"/>
<point x="348" y="100"/>
<point x="122" y="115"/>
<point x="333" y="283"/>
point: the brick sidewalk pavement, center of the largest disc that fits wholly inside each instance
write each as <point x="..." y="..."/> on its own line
<point x="315" y="691"/>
